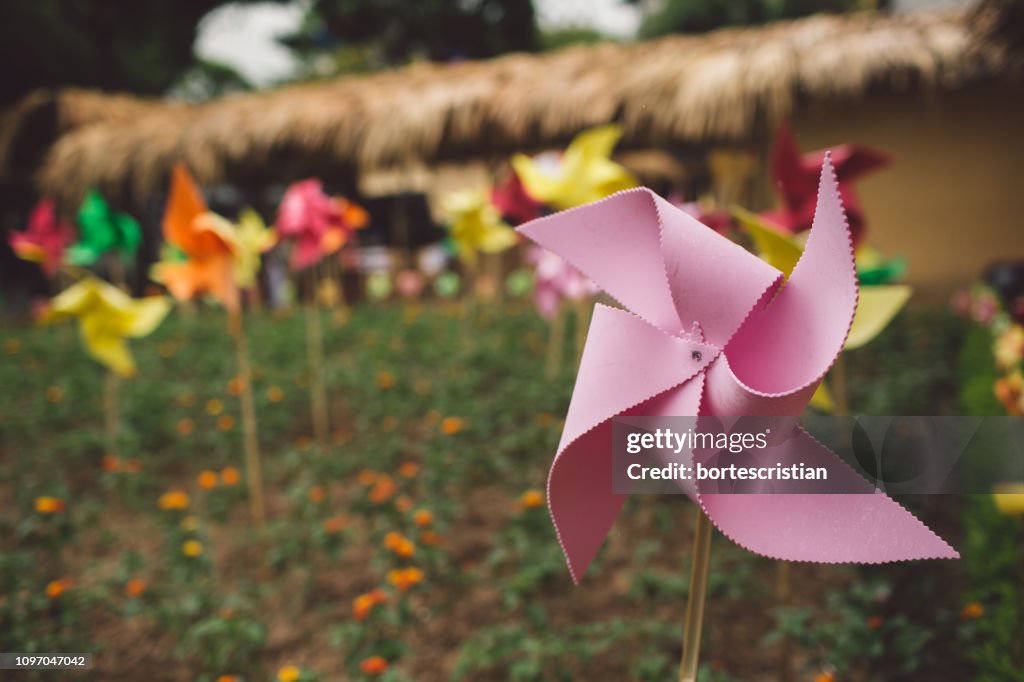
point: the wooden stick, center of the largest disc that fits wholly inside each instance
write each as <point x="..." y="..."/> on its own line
<point x="696" y="598"/>
<point x="582" y="307"/>
<point x="250" y="437"/>
<point x="556" y="339"/>
<point x="315" y="350"/>
<point x="112" y="415"/>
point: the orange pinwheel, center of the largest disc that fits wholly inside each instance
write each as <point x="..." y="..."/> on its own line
<point x="207" y="242"/>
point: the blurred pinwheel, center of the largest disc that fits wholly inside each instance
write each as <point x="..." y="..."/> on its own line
<point x="208" y="242"/>
<point x="513" y="202"/>
<point x="316" y="223"/>
<point x="796" y="178"/>
<point x="584" y="173"/>
<point x="107" y="317"/>
<point x="474" y="224"/>
<point x="102" y="229"/>
<point x="45" y="239"/>
<point x="556" y="281"/>
<point x="254" y="239"/>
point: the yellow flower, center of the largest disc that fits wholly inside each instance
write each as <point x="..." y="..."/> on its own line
<point x="190" y="524"/>
<point x="192" y="548"/>
<point x="275" y="394"/>
<point x="214" y="406"/>
<point x="1009" y="498"/>
<point x="55" y="394"/>
<point x="175" y="499"/>
<point x="531" y="498"/>
<point x="49" y="505"/>
<point x="107" y="316"/>
<point x="289" y="673"/>
<point x="475" y="225"/>
<point x="584" y="173"/>
<point x="385" y="380"/>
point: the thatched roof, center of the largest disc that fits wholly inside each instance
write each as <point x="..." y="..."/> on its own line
<point x="727" y="86"/>
<point x="29" y="127"/>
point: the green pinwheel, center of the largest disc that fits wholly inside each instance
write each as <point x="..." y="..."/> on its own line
<point x="103" y="229"/>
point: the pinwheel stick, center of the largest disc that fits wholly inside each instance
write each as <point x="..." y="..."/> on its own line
<point x="111" y="411"/>
<point x="315" y="350"/>
<point x="253" y="466"/>
<point x="582" y="321"/>
<point x="556" y="339"/>
<point x="695" y="599"/>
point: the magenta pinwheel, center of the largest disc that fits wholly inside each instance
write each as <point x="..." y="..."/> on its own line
<point x="45" y="239"/>
<point x="796" y="178"/>
<point x="710" y="329"/>
<point x="556" y="281"/>
<point x="318" y="224"/>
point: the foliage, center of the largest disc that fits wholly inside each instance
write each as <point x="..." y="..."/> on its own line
<point x="699" y="16"/>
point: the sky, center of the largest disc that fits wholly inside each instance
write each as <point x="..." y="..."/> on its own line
<point x="242" y="36"/>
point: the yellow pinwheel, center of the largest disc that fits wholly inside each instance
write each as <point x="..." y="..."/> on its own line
<point x="254" y="238"/>
<point x="877" y="305"/>
<point x="107" y="317"/>
<point x="474" y="224"/>
<point x="584" y="173"/>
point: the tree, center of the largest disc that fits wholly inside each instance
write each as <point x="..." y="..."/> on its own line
<point x="141" y="47"/>
<point x="700" y="16"/>
<point x="366" y="34"/>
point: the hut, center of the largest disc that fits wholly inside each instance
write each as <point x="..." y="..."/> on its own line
<point x="939" y="91"/>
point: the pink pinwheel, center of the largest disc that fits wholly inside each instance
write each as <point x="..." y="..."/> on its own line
<point x="45" y="239"/>
<point x="317" y="223"/>
<point x="796" y="177"/>
<point x="710" y="329"/>
<point x="556" y="281"/>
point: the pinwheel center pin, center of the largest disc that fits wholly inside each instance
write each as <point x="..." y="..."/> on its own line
<point x="696" y="355"/>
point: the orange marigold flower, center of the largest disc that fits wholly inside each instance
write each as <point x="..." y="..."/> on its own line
<point x="227" y="678"/>
<point x="430" y="538"/>
<point x="363" y="605"/>
<point x="374" y="665"/>
<point x="214" y="406"/>
<point x="135" y="587"/>
<point x="383" y="489"/>
<point x="190" y="523"/>
<point x="531" y="498"/>
<point x="392" y="539"/>
<point x="207" y="479"/>
<point x="389" y="423"/>
<point x="408" y="469"/>
<point x="367" y="477"/>
<point x="55" y="394"/>
<point x="275" y="394"/>
<point x="56" y="588"/>
<point x="225" y="422"/>
<point x="385" y="380"/>
<point x="423" y="518"/>
<point x="403" y="504"/>
<point x="111" y="463"/>
<point x="405" y="549"/>
<point x="174" y="499"/>
<point x="452" y="425"/>
<point x="192" y="548"/>
<point x="303" y="442"/>
<point x="317" y="494"/>
<point x="289" y="673"/>
<point x="825" y="677"/>
<point x="875" y="622"/>
<point x="335" y="524"/>
<point x="236" y="386"/>
<point x="405" y="578"/>
<point x="432" y="417"/>
<point x="972" y="611"/>
<point x="185" y="426"/>
<point x="230" y="476"/>
<point x="49" y="505"/>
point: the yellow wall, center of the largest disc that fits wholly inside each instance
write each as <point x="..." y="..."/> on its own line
<point x="953" y="200"/>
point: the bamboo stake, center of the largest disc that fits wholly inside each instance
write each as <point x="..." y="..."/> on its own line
<point x="315" y="350"/>
<point x="696" y="598"/>
<point x="112" y="416"/>
<point x="253" y="466"/>
<point x="556" y="339"/>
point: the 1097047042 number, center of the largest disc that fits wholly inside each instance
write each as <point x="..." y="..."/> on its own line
<point x="17" y="661"/>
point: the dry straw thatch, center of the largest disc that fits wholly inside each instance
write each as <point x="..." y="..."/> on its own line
<point x="728" y="86"/>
